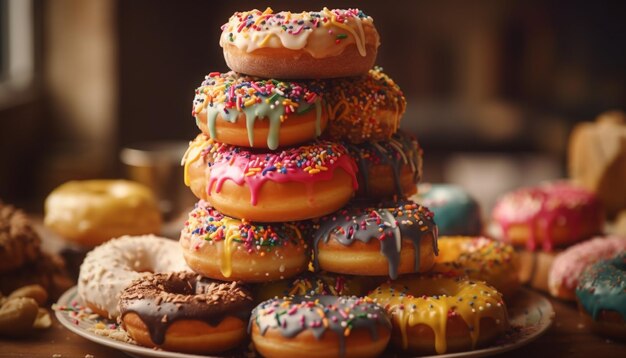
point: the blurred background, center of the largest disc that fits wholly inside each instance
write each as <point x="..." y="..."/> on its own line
<point x="494" y="87"/>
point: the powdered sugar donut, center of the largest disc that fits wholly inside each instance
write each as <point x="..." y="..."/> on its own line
<point x="111" y="267"/>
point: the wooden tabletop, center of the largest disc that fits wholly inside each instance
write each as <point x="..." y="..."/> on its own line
<point x="569" y="336"/>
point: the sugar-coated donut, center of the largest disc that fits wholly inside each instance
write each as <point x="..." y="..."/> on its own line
<point x="569" y="265"/>
<point x="309" y="284"/>
<point x="366" y="108"/>
<point x="319" y="326"/>
<point x="310" y="44"/>
<point x="183" y="312"/>
<point x="19" y="242"/>
<point x="481" y="259"/>
<point x="601" y="293"/>
<point x="90" y="212"/>
<point x="548" y="216"/>
<point x="262" y="113"/>
<point x="439" y="314"/>
<point x="456" y="211"/>
<point x="112" y="266"/>
<point x="224" y="248"/>
<point x="390" y="240"/>
<point x="387" y="168"/>
<point x="287" y="185"/>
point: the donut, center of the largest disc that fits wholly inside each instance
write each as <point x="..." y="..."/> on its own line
<point x="311" y="44"/>
<point x="319" y="326"/>
<point x="309" y="284"/>
<point x="548" y="216"/>
<point x="601" y="294"/>
<point x="262" y="113"/>
<point x="441" y="314"/>
<point x="91" y="212"/>
<point x="387" y="168"/>
<point x="293" y="184"/>
<point x="481" y="259"/>
<point x="366" y="108"/>
<point x="224" y="248"/>
<point x="112" y="266"/>
<point x="19" y="243"/>
<point x="383" y="241"/>
<point x="183" y="312"/>
<point x="568" y="265"/>
<point x="456" y="211"/>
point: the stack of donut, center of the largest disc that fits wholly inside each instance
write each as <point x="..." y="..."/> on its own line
<point x="303" y="180"/>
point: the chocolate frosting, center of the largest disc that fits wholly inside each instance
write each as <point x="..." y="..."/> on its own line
<point x="342" y="315"/>
<point x="400" y="150"/>
<point x="389" y="224"/>
<point x="160" y="299"/>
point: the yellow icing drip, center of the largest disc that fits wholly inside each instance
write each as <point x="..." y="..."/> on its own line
<point x="192" y="154"/>
<point x="430" y="300"/>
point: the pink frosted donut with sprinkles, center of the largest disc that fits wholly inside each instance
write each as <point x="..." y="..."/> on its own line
<point x="548" y="216"/>
<point x="293" y="184"/>
<point x="310" y="44"/>
<point x="229" y="249"/>
<point x="260" y="113"/>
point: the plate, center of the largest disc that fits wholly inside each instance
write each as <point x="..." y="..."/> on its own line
<point x="530" y="314"/>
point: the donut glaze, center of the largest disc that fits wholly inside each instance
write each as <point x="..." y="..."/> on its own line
<point x="291" y="184"/>
<point x="351" y="321"/>
<point x="569" y="265"/>
<point x="456" y="211"/>
<point x="387" y="168"/>
<point x="550" y="215"/>
<point x="602" y="286"/>
<point x="393" y="228"/>
<point x="231" y="97"/>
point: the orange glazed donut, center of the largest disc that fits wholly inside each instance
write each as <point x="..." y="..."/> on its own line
<point x="366" y="108"/>
<point x="549" y="216"/>
<point x="292" y="184"/>
<point x="182" y="312"/>
<point x="230" y="249"/>
<point x="441" y="314"/>
<point x="388" y="168"/>
<point x="263" y="113"/>
<point x="311" y="44"/>
<point x="376" y="241"/>
<point x="319" y="326"/>
<point x="481" y="259"/>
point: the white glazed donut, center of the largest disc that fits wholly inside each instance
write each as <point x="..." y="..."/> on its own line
<point x="112" y="266"/>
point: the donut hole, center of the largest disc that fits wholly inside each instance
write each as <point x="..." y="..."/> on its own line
<point x="420" y="288"/>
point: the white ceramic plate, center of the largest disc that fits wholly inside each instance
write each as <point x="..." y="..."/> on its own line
<point x="531" y="315"/>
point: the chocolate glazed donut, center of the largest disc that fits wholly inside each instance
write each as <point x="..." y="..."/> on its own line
<point x="405" y="234"/>
<point x="186" y="313"/>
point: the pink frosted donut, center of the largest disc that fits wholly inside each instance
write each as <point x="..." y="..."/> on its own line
<point x="550" y="215"/>
<point x="569" y="264"/>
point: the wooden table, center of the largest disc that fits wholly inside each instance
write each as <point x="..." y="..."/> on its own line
<point x="568" y="336"/>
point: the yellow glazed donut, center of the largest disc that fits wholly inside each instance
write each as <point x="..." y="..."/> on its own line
<point x="112" y="266"/>
<point x="366" y="108"/>
<point x="224" y="248"/>
<point x="91" y="212"/>
<point x="398" y="238"/>
<point x="311" y="44"/>
<point x="480" y="259"/>
<point x="439" y="314"/>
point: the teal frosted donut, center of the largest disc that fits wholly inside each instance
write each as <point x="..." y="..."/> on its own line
<point x="601" y="293"/>
<point x="456" y="212"/>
